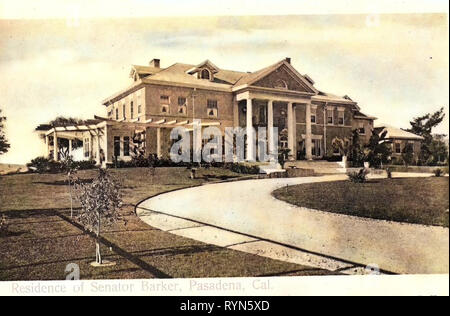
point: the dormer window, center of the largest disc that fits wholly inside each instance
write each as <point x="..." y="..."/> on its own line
<point x="205" y="70"/>
<point x="205" y="74"/>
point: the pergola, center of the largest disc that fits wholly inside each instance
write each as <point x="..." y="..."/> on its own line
<point x="98" y="128"/>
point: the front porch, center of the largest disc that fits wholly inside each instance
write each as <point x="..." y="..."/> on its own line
<point x="277" y="112"/>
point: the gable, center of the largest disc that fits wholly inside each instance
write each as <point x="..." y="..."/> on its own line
<point x="282" y="78"/>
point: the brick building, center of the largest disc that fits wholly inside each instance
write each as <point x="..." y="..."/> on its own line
<point x="160" y="99"/>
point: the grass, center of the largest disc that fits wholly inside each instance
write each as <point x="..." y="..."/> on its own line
<point x="411" y="200"/>
<point x="42" y="239"/>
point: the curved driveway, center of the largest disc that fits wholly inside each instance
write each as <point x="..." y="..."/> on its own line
<point x="249" y="208"/>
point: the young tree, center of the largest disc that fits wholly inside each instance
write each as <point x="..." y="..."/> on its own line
<point x="68" y="166"/>
<point x="100" y="203"/>
<point x="4" y="145"/>
<point x="423" y="126"/>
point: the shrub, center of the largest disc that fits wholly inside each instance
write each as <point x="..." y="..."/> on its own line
<point x="44" y="165"/>
<point x="358" y="177"/>
<point x="389" y="173"/>
<point x="438" y="172"/>
<point x="3" y="225"/>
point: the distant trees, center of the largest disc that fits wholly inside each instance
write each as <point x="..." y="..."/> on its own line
<point x="432" y="149"/>
<point x="4" y="145"/>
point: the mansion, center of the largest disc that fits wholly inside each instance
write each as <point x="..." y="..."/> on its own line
<point x="160" y="99"/>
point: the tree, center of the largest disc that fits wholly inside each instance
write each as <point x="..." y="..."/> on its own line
<point x="100" y="202"/>
<point x="439" y="152"/>
<point x="343" y="145"/>
<point x="357" y="150"/>
<point x="4" y="145"/>
<point x="69" y="167"/>
<point x="408" y="154"/>
<point x="65" y="121"/>
<point x="423" y="126"/>
<point x="378" y="151"/>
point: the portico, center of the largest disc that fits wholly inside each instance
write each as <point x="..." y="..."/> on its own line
<point x="287" y="106"/>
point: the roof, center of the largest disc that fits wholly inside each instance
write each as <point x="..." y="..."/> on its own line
<point x="397" y="133"/>
<point x="47" y="127"/>
<point x="361" y="115"/>
<point x="177" y="73"/>
<point x="145" y="70"/>
<point x="325" y="96"/>
<point x="224" y="80"/>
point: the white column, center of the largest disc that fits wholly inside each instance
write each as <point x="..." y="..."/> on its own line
<point x="97" y="159"/>
<point x="107" y="143"/>
<point x="70" y="147"/>
<point x="158" y="142"/>
<point x="270" y="134"/>
<point x="90" y="145"/>
<point x="308" y="142"/>
<point x="47" y="140"/>
<point x="250" y="133"/>
<point x="55" y="146"/>
<point x="291" y="129"/>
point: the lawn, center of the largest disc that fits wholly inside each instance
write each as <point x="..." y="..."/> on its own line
<point x="411" y="200"/>
<point x="42" y="239"/>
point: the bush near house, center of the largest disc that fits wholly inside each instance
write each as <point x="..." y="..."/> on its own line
<point x="153" y="161"/>
<point x="46" y="165"/>
<point x="438" y="172"/>
<point x="358" y="177"/>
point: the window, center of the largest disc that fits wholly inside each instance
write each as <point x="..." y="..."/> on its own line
<point x="117" y="114"/>
<point x="205" y="74"/>
<point x="361" y="129"/>
<point x="124" y="111"/>
<point x="165" y="104"/>
<point x="398" y="148"/>
<point x="139" y="109"/>
<point x="212" y="108"/>
<point x="116" y="146"/>
<point x="330" y="117"/>
<point x="281" y="84"/>
<point x="164" y="109"/>
<point x="262" y="115"/>
<point x="313" y="115"/>
<point x="126" y="146"/>
<point x="131" y="109"/>
<point x="341" y="118"/>
<point x="86" y="148"/>
<point x="181" y="105"/>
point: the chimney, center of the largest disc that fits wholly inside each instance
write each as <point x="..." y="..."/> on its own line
<point x="155" y="63"/>
<point x="288" y="59"/>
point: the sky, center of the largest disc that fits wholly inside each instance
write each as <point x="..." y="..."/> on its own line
<point x="62" y="58"/>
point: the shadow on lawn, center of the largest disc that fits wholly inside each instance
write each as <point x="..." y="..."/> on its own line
<point x="209" y="177"/>
<point x="41" y="213"/>
<point x="121" y="252"/>
<point x="63" y="182"/>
